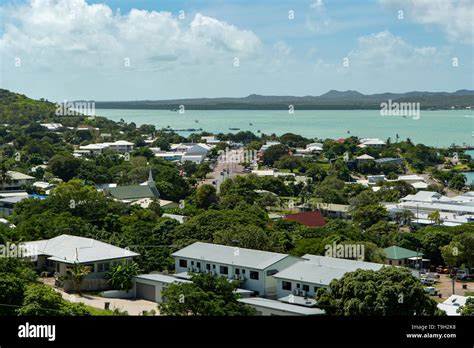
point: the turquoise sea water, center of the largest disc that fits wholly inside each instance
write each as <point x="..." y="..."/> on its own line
<point x="435" y="128"/>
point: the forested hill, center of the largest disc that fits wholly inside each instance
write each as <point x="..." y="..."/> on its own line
<point x="18" y="109"/>
<point x="349" y="100"/>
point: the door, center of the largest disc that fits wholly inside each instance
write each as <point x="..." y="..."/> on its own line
<point x="146" y="291"/>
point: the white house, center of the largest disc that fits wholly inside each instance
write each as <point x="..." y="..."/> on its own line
<point x="58" y="254"/>
<point x="253" y="268"/>
<point x="52" y="126"/>
<point x="120" y="146"/>
<point x="453" y="303"/>
<point x="305" y="277"/>
<point x="150" y="286"/>
<point x="268" y="307"/>
<point x="453" y="211"/>
<point x="16" y="181"/>
<point x="372" y="142"/>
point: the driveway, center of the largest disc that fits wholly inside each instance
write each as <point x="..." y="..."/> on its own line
<point x="445" y="286"/>
<point x="132" y="306"/>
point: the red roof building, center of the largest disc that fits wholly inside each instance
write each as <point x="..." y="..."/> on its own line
<point x="309" y="218"/>
<point x="340" y="141"/>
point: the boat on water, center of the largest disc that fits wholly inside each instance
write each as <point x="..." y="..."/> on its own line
<point x="250" y="124"/>
<point x="232" y="128"/>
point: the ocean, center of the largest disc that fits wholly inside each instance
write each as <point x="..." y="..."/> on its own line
<point x="435" y="128"/>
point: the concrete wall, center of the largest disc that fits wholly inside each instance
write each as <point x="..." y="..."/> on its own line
<point x="159" y="287"/>
<point x="266" y="285"/>
<point x="282" y="293"/>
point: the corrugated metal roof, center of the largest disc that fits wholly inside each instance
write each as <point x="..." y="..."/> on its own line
<point x="285" y="307"/>
<point x="321" y="270"/>
<point x="242" y="257"/>
<point x="74" y="249"/>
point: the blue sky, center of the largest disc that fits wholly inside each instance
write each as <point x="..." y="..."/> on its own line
<point x="142" y="49"/>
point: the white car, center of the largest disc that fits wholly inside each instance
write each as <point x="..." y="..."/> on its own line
<point x="431" y="290"/>
<point x="427" y="281"/>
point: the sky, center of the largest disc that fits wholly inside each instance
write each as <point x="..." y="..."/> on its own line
<point x="151" y="49"/>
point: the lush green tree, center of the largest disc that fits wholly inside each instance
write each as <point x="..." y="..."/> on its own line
<point x="12" y="290"/>
<point x="64" y="166"/>
<point x="289" y="162"/>
<point x="206" y="196"/>
<point x="121" y="276"/>
<point x="458" y="182"/>
<point x="466" y="243"/>
<point x="432" y="239"/>
<point x="386" y="292"/>
<point x="274" y="153"/>
<point x="368" y="215"/>
<point x="207" y="295"/>
<point x="251" y="237"/>
<point x="468" y="309"/>
<point x="366" y="197"/>
<point x="41" y="300"/>
<point x="452" y="254"/>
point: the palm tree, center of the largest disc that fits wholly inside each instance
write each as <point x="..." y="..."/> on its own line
<point x="435" y="217"/>
<point x="4" y="177"/>
<point x="404" y="217"/>
<point x="77" y="275"/>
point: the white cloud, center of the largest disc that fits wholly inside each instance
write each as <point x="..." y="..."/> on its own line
<point x="65" y="33"/>
<point x="384" y="50"/>
<point x="317" y="4"/>
<point x="455" y="17"/>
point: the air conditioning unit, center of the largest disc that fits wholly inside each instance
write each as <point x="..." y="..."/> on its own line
<point x="242" y="277"/>
<point x="207" y="271"/>
<point x="190" y="269"/>
<point x="196" y="269"/>
<point x="303" y="293"/>
<point x="296" y="292"/>
<point x="211" y="272"/>
<point x="236" y="276"/>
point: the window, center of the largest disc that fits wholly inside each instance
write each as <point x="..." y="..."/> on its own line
<point x="237" y="271"/>
<point x="213" y="266"/>
<point x="253" y="275"/>
<point x="286" y="285"/>
<point x="305" y="287"/>
<point x="183" y="263"/>
<point x="192" y="263"/>
<point x="103" y="267"/>
<point x="298" y="285"/>
<point x="315" y="289"/>
<point x="243" y="271"/>
<point x="198" y="265"/>
<point x="224" y="270"/>
<point x="208" y="266"/>
<point x="390" y="262"/>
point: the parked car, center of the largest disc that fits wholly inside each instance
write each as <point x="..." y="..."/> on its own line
<point x="427" y="281"/>
<point x="431" y="290"/>
<point x="442" y="270"/>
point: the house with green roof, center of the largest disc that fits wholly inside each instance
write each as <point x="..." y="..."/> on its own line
<point x="132" y="193"/>
<point x="398" y="256"/>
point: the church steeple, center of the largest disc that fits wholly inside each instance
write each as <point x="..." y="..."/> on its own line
<point x="150" y="180"/>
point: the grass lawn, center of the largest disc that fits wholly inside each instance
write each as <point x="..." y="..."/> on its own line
<point x="98" y="311"/>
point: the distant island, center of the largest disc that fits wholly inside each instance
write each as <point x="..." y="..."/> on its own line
<point x="332" y="100"/>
